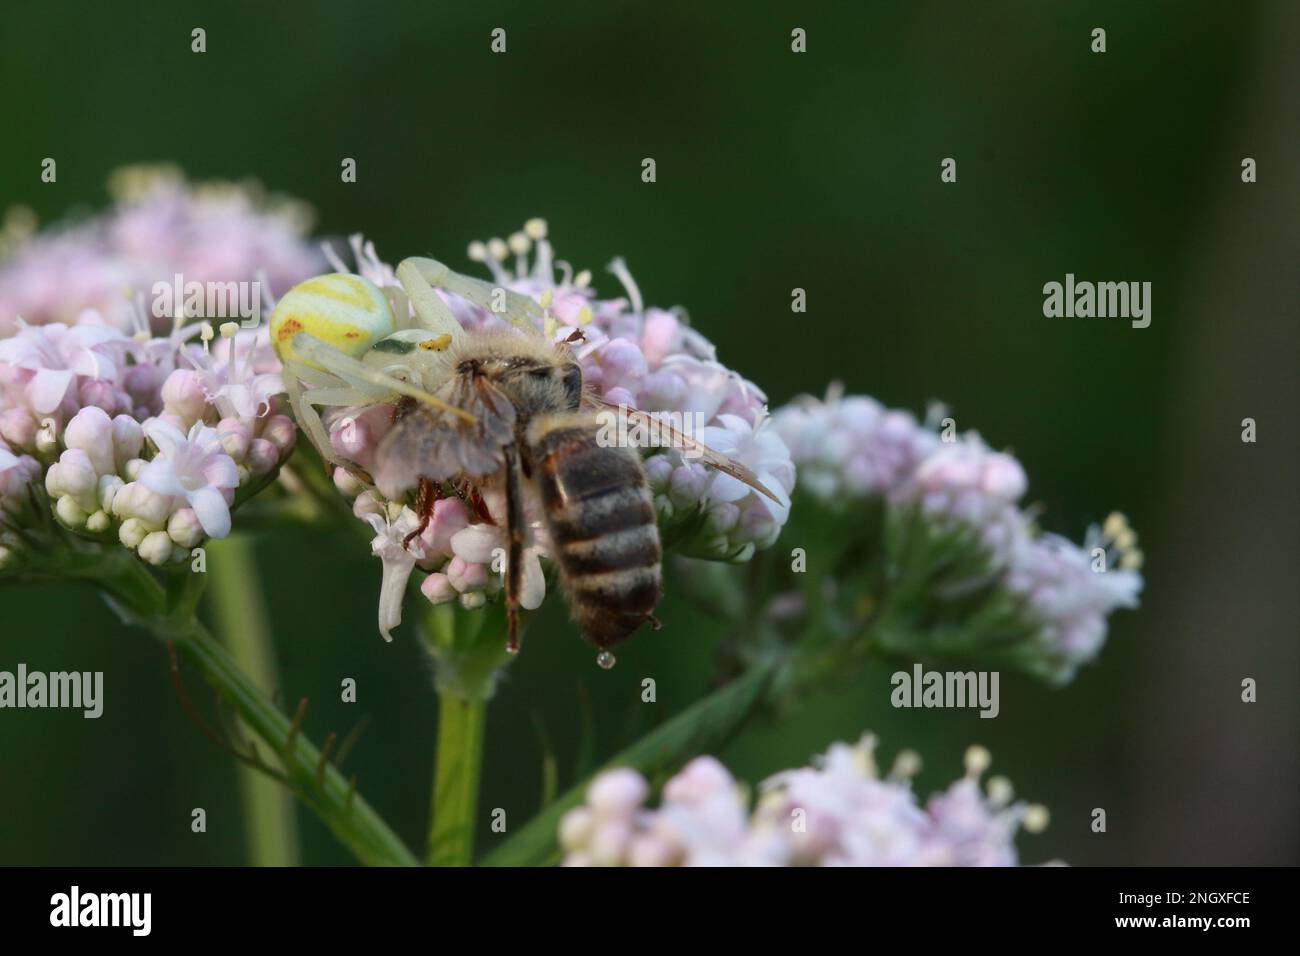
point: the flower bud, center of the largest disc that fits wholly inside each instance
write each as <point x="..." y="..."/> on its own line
<point x="183" y="528"/>
<point x="576" y="828"/>
<point x="687" y="484"/>
<point x="69" y="512"/>
<point x="183" y="395"/>
<point x="663" y="389"/>
<point x="350" y="437"/>
<point x="263" y="456"/>
<point x="617" y="791"/>
<point x="279" y="431"/>
<point x="142" y="383"/>
<point x="651" y="849"/>
<point x="437" y="588"/>
<point x="128" y="439"/>
<point x="91" y="430"/>
<point x="699" y="779"/>
<point x="235" y="438"/>
<point x="99" y="522"/>
<point x="608" y="842"/>
<point x="622" y="363"/>
<point x="620" y="396"/>
<point x="466" y="576"/>
<point x="449" y="517"/>
<point x="660" y="336"/>
<point x="101" y="394"/>
<point x="73" y="474"/>
<point x="156" y="548"/>
<point x="132" y="533"/>
<point x="136" y="500"/>
<point x="106" y="491"/>
<point x="722" y="517"/>
<point x="367" y="503"/>
<point x="1004" y="477"/>
<point x="18" y="427"/>
<point x="347" y="483"/>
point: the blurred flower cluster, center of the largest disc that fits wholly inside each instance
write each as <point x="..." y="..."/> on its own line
<point x="642" y="357"/>
<point x="910" y="537"/>
<point x="837" y="812"/>
<point x="158" y="226"/>
<point x="136" y="428"/>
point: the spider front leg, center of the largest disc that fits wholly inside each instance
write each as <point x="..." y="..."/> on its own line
<point x="295" y="373"/>
<point x="430" y="310"/>
<point x="327" y="390"/>
<point x="419" y="277"/>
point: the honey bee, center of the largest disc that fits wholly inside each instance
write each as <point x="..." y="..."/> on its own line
<point x="508" y="410"/>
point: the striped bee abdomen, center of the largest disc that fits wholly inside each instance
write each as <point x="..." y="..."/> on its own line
<point x="602" y="523"/>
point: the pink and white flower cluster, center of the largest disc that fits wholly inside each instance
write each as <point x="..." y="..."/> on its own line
<point x="159" y="226"/>
<point x="643" y="357"/>
<point x="139" y="433"/>
<point x="144" y="440"/>
<point x="852" y="449"/>
<point x="837" y="812"/>
<point x="1071" y="590"/>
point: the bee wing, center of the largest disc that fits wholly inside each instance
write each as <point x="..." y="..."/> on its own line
<point x="428" y="442"/>
<point x="683" y="441"/>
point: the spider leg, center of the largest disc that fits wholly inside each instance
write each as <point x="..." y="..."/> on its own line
<point x="361" y="375"/>
<point x="519" y="309"/>
<point x="429" y="308"/>
<point x="307" y="416"/>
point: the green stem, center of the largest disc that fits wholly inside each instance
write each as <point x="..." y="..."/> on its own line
<point x="271" y="827"/>
<point x="459" y="763"/>
<point x="168" y="615"/>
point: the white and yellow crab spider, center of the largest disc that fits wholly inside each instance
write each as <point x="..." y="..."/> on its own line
<point x="352" y="345"/>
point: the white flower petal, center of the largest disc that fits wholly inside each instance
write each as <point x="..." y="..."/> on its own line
<point x="212" y="511"/>
<point x="160" y="476"/>
<point x="166" y="436"/>
<point x="392" y="591"/>
<point x="532" y="585"/>
<point x="48" y="388"/>
<point x="476" y="543"/>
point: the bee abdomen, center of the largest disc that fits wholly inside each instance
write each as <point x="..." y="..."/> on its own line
<point x="602" y="523"/>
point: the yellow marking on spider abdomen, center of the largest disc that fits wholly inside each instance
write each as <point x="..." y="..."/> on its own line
<point x="344" y="311"/>
<point x="348" y="289"/>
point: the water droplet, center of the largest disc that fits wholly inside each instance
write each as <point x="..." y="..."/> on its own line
<point x="605" y="659"/>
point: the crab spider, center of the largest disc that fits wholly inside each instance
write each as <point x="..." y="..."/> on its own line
<point x="352" y="344"/>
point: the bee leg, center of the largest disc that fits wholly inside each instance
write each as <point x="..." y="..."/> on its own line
<point x="514" y="557"/>
<point x="655" y="623"/>
<point x="426" y="498"/>
<point x="480" y="506"/>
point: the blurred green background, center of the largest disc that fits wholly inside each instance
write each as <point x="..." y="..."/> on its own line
<point x="775" y="170"/>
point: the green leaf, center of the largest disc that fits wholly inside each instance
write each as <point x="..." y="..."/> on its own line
<point x="702" y="728"/>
